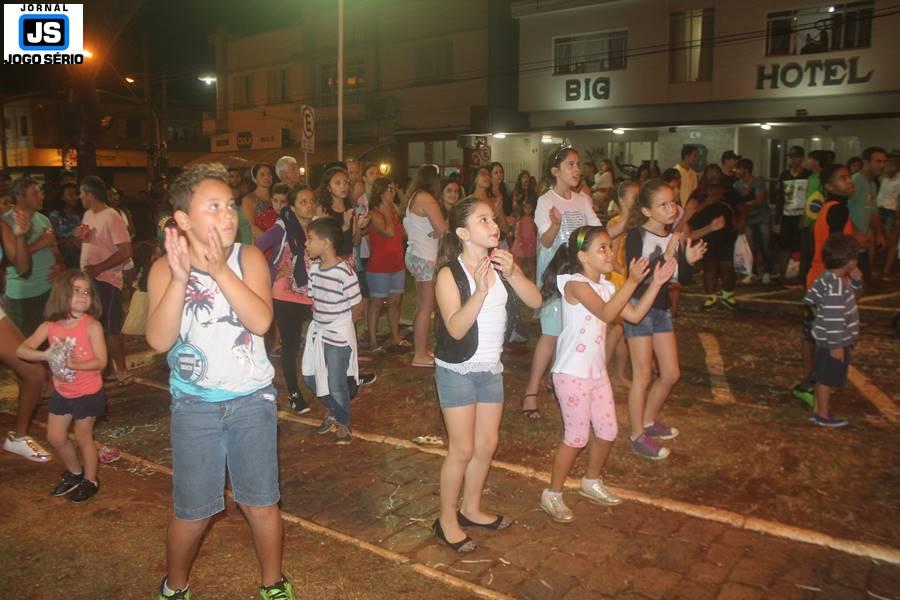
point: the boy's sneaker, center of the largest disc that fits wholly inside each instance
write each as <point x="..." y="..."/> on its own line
<point x="184" y="594"/>
<point x="646" y="447"/>
<point x="598" y="493"/>
<point x="25" y="446"/>
<point x="343" y="437"/>
<point x="553" y="505"/>
<point x="298" y="404"/>
<point x="328" y="425"/>
<point x="282" y="590"/>
<point x="805" y="394"/>
<point x="710" y="302"/>
<point x="661" y="431"/>
<point x="828" y="421"/>
<point x="727" y="300"/>
<point x="85" y="490"/>
<point x="67" y="483"/>
<point x="367" y="378"/>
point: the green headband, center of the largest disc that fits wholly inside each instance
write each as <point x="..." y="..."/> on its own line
<point x="582" y="233"/>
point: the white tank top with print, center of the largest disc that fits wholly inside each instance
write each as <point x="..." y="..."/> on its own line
<point x="216" y="358"/>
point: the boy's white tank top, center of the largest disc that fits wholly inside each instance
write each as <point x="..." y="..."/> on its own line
<point x="216" y="358"/>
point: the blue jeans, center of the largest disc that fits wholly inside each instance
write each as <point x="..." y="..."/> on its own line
<point x="208" y="437"/>
<point x="760" y="237"/>
<point x="337" y="359"/>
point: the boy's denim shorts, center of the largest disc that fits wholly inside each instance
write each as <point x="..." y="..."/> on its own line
<point x="208" y="437"/>
<point x="456" y="390"/>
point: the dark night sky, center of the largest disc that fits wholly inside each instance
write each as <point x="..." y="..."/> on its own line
<point x="178" y="31"/>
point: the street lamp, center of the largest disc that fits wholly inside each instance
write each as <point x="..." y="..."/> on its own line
<point x="129" y="80"/>
<point x="207" y="79"/>
<point x="87" y="53"/>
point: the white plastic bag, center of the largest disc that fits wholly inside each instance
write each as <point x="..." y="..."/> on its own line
<point x="793" y="269"/>
<point x="743" y="256"/>
<point x="136" y="320"/>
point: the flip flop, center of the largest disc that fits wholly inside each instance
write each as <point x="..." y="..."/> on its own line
<point x="428" y="365"/>
<point x="428" y="440"/>
<point x="499" y="523"/>
<point x="531" y="413"/>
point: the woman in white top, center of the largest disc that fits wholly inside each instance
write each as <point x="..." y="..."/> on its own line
<point x="424" y="224"/>
<point x="472" y="328"/>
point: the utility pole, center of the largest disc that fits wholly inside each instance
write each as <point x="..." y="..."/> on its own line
<point x="340" y="82"/>
<point x="163" y="162"/>
<point x="151" y="147"/>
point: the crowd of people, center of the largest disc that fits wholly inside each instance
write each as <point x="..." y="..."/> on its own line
<point x="241" y="266"/>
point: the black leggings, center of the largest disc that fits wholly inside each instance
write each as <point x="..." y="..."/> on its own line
<point x="718" y="264"/>
<point x="289" y="316"/>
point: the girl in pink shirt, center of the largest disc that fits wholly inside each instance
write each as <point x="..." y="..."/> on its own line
<point x="524" y="247"/>
<point x="77" y="357"/>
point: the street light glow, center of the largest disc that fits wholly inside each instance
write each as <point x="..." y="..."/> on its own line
<point x="207" y="79"/>
<point x="87" y="53"/>
<point x="618" y="131"/>
<point x="765" y="127"/>
<point x="546" y="139"/>
<point x="129" y="80"/>
<point x="499" y="136"/>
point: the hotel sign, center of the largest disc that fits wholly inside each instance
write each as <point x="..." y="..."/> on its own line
<point x="587" y="89"/>
<point x="812" y="73"/>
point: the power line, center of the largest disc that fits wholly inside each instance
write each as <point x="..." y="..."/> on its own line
<point x="541" y="65"/>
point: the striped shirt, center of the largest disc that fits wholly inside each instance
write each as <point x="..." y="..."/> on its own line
<point x="333" y="292"/>
<point x="837" y="315"/>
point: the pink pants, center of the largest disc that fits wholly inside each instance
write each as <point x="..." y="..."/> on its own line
<point x="586" y="402"/>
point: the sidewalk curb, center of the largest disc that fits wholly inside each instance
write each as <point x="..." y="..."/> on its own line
<point x="709" y="513"/>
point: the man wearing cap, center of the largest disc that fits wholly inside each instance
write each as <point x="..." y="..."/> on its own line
<point x="790" y="203"/>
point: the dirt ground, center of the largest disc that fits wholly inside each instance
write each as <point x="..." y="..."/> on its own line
<point x="758" y="456"/>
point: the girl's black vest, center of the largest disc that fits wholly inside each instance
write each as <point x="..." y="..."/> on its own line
<point x="458" y="351"/>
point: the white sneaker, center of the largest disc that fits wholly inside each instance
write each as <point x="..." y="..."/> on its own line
<point x="25" y="446"/>
<point x="554" y="506"/>
<point x="598" y="493"/>
<point x="767" y="279"/>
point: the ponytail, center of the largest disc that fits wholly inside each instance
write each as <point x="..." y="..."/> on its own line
<point x="559" y="265"/>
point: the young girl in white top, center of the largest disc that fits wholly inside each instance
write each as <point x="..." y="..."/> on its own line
<point x="560" y="211"/>
<point x="476" y="288"/>
<point x="578" y="275"/>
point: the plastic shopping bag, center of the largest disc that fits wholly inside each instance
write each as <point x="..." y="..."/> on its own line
<point x="136" y="320"/>
<point x="743" y="256"/>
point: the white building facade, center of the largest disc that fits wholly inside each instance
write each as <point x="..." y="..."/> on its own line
<point x="634" y="80"/>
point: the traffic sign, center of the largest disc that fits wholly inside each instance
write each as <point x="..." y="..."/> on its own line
<point x="308" y="126"/>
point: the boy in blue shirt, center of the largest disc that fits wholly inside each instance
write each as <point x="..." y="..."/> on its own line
<point x="210" y="301"/>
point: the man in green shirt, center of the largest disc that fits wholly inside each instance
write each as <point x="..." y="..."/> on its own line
<point x="27" y="293"/>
